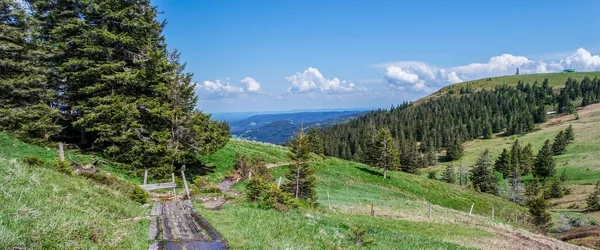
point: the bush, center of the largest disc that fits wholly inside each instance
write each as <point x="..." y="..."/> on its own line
<point x="63" y="167"/>
<point x="33" y="161"/>
<point x="268" y="195"/>
<point x="358" y="235"/>
<point x="210" y="190"/>
<point x="138" y="194"/>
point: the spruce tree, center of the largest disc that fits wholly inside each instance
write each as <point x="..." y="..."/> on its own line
<point x="526" y="159"/>
<point x="569" y="134"/>
<point x="563" y="176"/>
<point x="516" y="188"/>
<point x="556" y="188"/>
<point x="560" y="144"/>
<point x="25" y="97"/>
<point x="387" y="152"/>
<point x="503" y="164"/>
<point x="449" y="175"/>
<point x="300" y="176"/>
<point x="538" y="207"/>
<point x="482" y="175"/>
<point x="314" y="139"/>
<point x="593" y="201"/>
<point x="543" y="166"/>
<point x="454" y="150"/>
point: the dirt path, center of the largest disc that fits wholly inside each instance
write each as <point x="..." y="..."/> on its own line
<point x="177" y="225"/>
<point x="278" y="164"/>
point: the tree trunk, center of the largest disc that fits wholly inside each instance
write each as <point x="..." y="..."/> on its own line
<point x="385" y="173"/>
<point x="83" y="139"/>
<point x="297" y="180"/>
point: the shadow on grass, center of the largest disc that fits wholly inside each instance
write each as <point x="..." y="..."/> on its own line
<point x="370" y="171"/>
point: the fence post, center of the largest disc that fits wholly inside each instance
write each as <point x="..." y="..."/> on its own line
<point x="329" y="200"/>
<point x="61" y="151"/>
<point x="174" y="192"/>
<point x="372" y="208"/>
<point x="492" y="213"/>
<point x="187" y="191"/>
<point x="429" y="210"/>
<point x="279" y="182"/>
<point x="145" y="176"/>
<point x="471" y="211"/>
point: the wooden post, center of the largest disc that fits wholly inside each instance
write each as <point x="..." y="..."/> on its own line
<point x="492" y="213"/>
<point x="61" y="151"/>
<point x="471" y="211"/>
<point x="187" y="191"/>
<point x="145" y="176"/>
<point x="250" y="176"/>
<point x="429" y="210"/>
<point x="372" y="208"/>
<point x="515" y="218"/>
<point x="174" y="193"/>
<point x="279" y="182"/>
<point x="329" y="200"/>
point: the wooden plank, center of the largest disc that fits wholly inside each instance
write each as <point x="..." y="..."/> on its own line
<point x="187" y="191"/>
<point x="150" y="187"/>
<point x="153" y="230"/>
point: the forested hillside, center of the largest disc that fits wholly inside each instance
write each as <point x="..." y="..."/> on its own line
<point x="423" y="130"/>
<point x="98" y="75"/>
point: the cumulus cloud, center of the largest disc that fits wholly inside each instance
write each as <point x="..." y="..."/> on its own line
<point x="223" y="89"/>
<point x="311" y="80"/>
<point x="419" y="76"/>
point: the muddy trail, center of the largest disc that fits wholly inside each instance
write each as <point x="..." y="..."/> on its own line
<point x="176" y="225"/>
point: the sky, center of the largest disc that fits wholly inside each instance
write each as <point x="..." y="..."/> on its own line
<point x="273" y="55"/>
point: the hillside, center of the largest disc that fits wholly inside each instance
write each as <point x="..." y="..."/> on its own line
<point x="401" y="212"/>
<point x="44" y="209"/>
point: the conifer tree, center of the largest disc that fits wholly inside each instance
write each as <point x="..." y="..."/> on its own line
<point x="526" y="159"/>
<point x="410" y="159"/>
<point x="516" y="188"/>
<point x="300" y="176"/>
<point x="543" y="166"/>
<point x="556" y="189"/>
<point x="314" y="140"/>
<point x="25" y="97"/>
<point x="387" y="152"/>
<point x="503" y="164"/>
<point x="538" y="207"/>
<point x="560" y="144"/>
<point x="482" y="175"/>
<point x="563" y="176"/>
<point x="449" y="175"/>
<point x="569" y="134"/>
<point x="455" y="150"/>
<point x="593" y="201"/>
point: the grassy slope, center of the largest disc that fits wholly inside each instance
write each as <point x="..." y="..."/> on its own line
<point x="400" y="203"/>
<point x="43" y="209"/>
<point x="580" y="160"/>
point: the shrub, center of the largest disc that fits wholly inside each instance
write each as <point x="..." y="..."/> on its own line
<point x="138" y="194"/>
<point x="268" y="195"/>
<point x="359" y="236"/>
<point x="200" y="182"/>
<point x="256" y="187"/>
<point x="63" y="167"/>
<point x="210" y="190"/>
<point x="432" y="175"/>
<point x="33" y="161"/>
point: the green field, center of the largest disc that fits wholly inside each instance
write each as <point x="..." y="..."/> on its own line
<point x="44" y="209"/>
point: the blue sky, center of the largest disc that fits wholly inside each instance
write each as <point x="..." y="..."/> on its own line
<point x="286" y="55"/>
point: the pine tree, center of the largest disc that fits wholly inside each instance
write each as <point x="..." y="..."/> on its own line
<point x="314" y="140"/>
<point x="569" y="134"/>
<point x="516" y="188"/>
<point x="593" y="201"/>
<point x="543" y="166"/>
<point x="463" y="176"/>
<point x="503" y="164"/>
<point x="560" y="144"/>
<point x="25" y="97"/>
<point x="526" y="159"/>
<point x="487" y="130"/>
<point x="556" y="189"/>
<point x="449" y="175"/>
<point x="454" y="151"/>
<point x="563" y="176"/>
<point x="410" y="159"/>
<point x="482" y="175"/>
<point x="538" y="207"/>
<point x="387" y="152"/>
<point x="300" y="176"/>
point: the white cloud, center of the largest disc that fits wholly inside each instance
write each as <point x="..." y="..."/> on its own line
<point x="222" y="89"/>
<point x="312" y="80"/>
<point x="251" y="85"/>
<point x="422" y="77"/>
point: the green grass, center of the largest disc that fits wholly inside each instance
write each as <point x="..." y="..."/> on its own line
<point x="223" y="160"/>
<point x="270" y="229"/>
<point x="43" y="209"/>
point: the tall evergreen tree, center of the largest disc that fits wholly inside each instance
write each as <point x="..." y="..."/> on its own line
<point x="516" y="188"/>
<point x="560" y="144"/>
<point x="482" y="175"/>
<point x="387" y="151"/>
<point x="569" y="134"/>
<point x="300" y="176"/>
<point x="449" y="175"/>
<point x="314" y="140"/>
<point x="538" y="207"/>
<point x="543" y="166"/>
<point x="454" y="150"/>
<point x="526" y="159"/>
<point x="593" y="201"/>
<point x="503" y="164"/>
<point x="25" y="97"/>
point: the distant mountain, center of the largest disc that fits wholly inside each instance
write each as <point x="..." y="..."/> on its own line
<point x="278" y="128"/>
